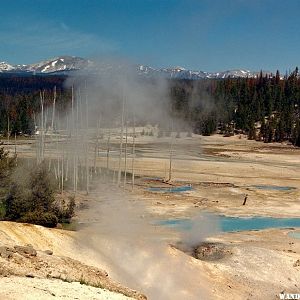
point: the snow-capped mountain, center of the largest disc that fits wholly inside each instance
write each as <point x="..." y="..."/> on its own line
<point x="63" y="63"/>
<point x="181" y="73"/>
<point x="67" y="64"/>
<point x="5" y="67"/>
<point x="176" y="72"/>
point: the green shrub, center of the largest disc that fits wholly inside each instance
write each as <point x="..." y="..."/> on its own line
<point x="47" y="219"/>
<point x="16" y="204"/>
<point x="42" y="191"/>
<point x="7" y="165"/>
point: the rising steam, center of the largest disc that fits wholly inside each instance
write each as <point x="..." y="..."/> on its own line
<point x="107" y="99"/>
<point x="137" y="254"/>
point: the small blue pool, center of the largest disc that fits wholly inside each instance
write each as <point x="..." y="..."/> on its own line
<point x="294" y="234"/>
<point x="272" y="187"/>
<point x="227" y="224"/>
<point x="173" y="189"/>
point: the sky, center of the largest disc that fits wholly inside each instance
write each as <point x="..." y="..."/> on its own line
<point x="208" y="35"/>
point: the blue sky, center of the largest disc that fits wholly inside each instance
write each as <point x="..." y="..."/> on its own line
<point x="209" y="35"/>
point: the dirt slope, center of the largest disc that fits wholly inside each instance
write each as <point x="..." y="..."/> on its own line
<point x="49" y="263"/>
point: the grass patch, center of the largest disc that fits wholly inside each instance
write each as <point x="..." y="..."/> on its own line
<point x="70" y="226"/>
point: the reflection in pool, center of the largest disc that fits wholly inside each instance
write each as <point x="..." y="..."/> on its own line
<point x="227" y="224"/>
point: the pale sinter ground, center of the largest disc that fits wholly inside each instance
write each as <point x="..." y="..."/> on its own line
<point x="222" y="170"/>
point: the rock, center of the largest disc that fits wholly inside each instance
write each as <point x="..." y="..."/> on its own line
<point x="59" y="226"/>
<point x="49" y="252"/>
<point x="297" y="263"/>
<point x="25" y="250"/>
<point x="6" y="252"/>
<point x="211" y="251"/>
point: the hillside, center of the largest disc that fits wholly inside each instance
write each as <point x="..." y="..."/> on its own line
<point x="43" y="261"/>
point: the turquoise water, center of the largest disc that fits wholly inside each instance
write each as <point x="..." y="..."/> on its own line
<point x="294" y="234"/>
<point x="227" y="224"/>
<point x="273" y="187"/>
<point x="173" y="189"/>
<point x="185" y="188"/>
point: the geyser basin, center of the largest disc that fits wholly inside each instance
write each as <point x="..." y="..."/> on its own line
<point x="237" y="224"/>
<point x="272" y="187"/>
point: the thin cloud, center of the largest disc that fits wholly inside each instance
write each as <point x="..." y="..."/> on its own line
<point x="54" y="38"/>
<point x="64" y="26"/>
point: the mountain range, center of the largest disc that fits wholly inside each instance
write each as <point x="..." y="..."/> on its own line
<point x="68" y="64"/>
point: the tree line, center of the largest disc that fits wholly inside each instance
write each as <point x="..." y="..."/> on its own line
<point x="20" y="101"/>
<point x="266" y="108"/>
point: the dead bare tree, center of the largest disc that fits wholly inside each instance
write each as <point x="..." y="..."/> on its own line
<point x="62" y="170"/>
<point x="42" y="100"/>
<point x="73" y="138"/>
<point x="121" y="141"/>
<point x="87" y="141"/>
<point x="8" y="129"/>
<point x="245" y="200"/>
<point x="171" y="154"/>
<point x="125" y="154"/>
<point x="97" y="145"/>
<point x="53" y="108"/>
<point x="15" y="144"/>
<point x="107" y="152"/>
<point x="133" y="154"/>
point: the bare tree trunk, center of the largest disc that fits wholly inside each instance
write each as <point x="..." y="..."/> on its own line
<point x="62" y="170"/>
<point x="45" y="131"/>
<point x="50" y="154"/>
<point x="67" y="170"/>
<point x="114" y="172"/>
<point x="74" y="141"/>
<point x="171" y="155"/>
<point x="245" y="199"/>
<point x="96" y="147"/>
<point x="87" y="142"/>
<point x="107" y="152"/>
<point x="16" y="148"/>
<point x="42" y="127"/>
<point x="78" y="126"/>
<point x="36" y="140"/>
<point x="133" y="153"/>
<point x="15" y="144"/>
<point x="125" y="154"/>
<point x="165" y="170"/>
<point x="53" y="108"/>
<point x="58" y="164"/>
<point x="55" y="173"/>
<point x="121" y="141"/>
<point x="8" y="129"/>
